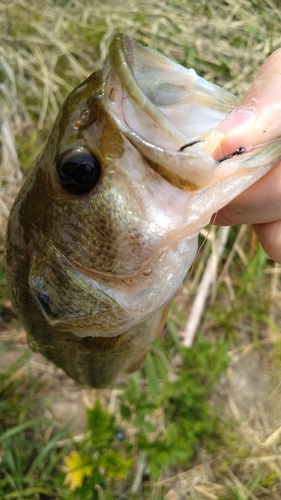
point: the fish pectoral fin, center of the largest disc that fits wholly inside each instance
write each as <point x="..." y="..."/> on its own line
<point x="104" y="344"/>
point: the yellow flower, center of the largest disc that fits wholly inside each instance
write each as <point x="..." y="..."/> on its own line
<point x="76" y="468"/>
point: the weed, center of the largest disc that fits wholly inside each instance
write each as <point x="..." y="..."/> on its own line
<point x="29" y="452"/>
<point x="163" y="415"/>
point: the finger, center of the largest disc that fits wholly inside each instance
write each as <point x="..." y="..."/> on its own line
<point x="257" y="118"/>
<point x="270" y="238"/>
<point x="260" y="203"/>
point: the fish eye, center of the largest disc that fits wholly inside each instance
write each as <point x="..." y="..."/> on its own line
<point x="79" y="171"/>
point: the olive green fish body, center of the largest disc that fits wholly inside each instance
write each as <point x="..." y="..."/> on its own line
<point x="105" y="226"/>
<point x="94" y="361"/>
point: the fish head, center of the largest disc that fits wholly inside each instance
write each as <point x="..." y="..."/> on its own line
<point x="114" y="200"/>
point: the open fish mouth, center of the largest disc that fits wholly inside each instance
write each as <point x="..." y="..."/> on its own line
<point x="171" y="115"/>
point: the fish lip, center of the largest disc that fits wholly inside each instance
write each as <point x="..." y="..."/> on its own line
<point x="120" y="53"/>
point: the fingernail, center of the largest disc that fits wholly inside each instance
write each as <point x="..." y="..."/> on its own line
<point x="239" y="120"/>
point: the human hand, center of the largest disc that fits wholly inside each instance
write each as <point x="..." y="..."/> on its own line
<point x="257" y="119"/>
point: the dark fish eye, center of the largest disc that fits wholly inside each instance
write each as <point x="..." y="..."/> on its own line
<point x="79" y="171"/>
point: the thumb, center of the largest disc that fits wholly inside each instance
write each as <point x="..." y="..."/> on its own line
<point x="257" y="118"/>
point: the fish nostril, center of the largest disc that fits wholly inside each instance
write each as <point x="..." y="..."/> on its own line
<point x="85" y="115"/>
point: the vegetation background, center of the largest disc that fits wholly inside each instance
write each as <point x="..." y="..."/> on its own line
<point x="198" y="423"/>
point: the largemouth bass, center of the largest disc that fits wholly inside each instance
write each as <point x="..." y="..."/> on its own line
<point x="106" y="224"/>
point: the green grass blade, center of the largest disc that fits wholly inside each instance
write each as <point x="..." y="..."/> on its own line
<point x="28" y="492"/>
<point x="151" y="375"/>
<point x="52" y="444"/>
<point x="19" y="428"/>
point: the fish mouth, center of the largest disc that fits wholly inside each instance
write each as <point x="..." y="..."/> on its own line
<point x="161" y="107"/>
<point x="172" y="116"/>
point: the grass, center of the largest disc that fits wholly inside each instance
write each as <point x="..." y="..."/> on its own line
<point x="209" y="430"/>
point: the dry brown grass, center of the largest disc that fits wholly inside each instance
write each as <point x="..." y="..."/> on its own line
<point x="48" y="47"/>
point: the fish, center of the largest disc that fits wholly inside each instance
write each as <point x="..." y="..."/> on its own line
<point x="105" y="226"/>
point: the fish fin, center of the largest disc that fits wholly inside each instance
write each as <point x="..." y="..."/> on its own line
<point x="137" y="365"/>
<point x="103" y="344"/>
<point x="162" y="319"/>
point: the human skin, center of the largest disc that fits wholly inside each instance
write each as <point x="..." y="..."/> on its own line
<point x="257" y="119"/>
